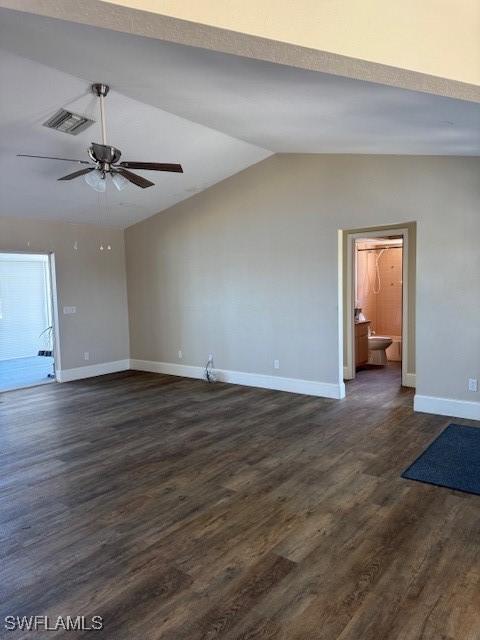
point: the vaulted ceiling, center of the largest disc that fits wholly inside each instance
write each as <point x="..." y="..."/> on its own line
<point x="215" y="113"/>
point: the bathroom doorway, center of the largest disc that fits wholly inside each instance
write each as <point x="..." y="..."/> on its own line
<point x="379" y="304"/>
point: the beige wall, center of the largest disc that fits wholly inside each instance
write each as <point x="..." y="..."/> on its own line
<point x="90" y="279"/>
<point x="430" y="46"/>
<point x="408" y="34"/>
<point x="248" y="269"/>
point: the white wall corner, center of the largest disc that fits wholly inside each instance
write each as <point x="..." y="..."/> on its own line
<point x="447" y="407"/>
<point x="90" y="371"/>
<point x="292" y="385"/>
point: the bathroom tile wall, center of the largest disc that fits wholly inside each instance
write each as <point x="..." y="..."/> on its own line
<point x="383" y="309"/>
<point x="366" y="299"/>
<point x="389" y="300"/>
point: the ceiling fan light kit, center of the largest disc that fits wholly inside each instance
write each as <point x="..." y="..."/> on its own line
<point x="96" y="180"/>
<point x="105" y="159"/>
<point x="119" y="181"/>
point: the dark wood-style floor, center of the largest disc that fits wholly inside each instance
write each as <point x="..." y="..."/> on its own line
<point x="183" y="511"/>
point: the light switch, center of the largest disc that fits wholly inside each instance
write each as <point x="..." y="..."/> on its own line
<point x="68" y="310"/>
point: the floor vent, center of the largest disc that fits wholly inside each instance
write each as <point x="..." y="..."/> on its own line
<point x="68" y="122"/>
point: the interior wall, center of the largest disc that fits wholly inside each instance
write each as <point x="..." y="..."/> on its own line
<point x="248" y="270"/>
<point x="91" y="280"/>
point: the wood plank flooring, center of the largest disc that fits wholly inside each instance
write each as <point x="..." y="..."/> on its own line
<point x="178" y="510"/>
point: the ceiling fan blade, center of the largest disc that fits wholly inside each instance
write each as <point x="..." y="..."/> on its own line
<point x="153" y="166"/>
<point x="136" y="179"/>
<point x="25" y="155"/>
<point x="77" y="174"/>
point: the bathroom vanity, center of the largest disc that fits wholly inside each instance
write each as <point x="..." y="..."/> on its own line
<point x="361" y="342"/>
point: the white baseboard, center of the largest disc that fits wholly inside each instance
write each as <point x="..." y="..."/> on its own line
<point x="409" y="380"/>
<point x="169" y="368"/>
<point x="447" y="407"/>
<point x="78" y="373"/>
<point x="293" y="385"/>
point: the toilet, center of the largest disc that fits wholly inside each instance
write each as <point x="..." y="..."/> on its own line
<point x="394" y="351"/>
<point x="377" y="346"/>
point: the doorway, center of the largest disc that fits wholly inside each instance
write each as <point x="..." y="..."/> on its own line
<point x="27" y="333"/>
<point x="379" y="304"/>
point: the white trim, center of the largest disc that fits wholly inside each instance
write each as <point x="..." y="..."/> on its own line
<point x="447" y="407"/>
<point x="348" y="280"/>
<point x="341" y="368"/>
<point x="168" y="368"/>
<point x="78" y="373"/>
<point x="409" y="380"/>
<point x="293" y="385"/>
<point x="57" y="354"/>
<point x="349" y="369"/>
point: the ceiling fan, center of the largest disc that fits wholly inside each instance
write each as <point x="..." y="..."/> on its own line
<point x="104" y="159"/>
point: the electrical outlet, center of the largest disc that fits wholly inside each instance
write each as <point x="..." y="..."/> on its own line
<point x="472" y="384"/>
<point x="276" y="364"/>
<point x="69" y="310"/>
<point x="86" y="355"/>
<point x="180" y="354"/>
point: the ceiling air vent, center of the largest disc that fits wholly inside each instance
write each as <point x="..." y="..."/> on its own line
<point x="68" y="122"/>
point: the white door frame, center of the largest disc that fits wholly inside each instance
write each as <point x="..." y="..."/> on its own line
<point x="349" y="369"/>
<point x="55" y="315"/>
<point x="54" y="303"/>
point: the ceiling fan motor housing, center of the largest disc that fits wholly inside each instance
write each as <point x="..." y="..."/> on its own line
<point x="104" y="154"/>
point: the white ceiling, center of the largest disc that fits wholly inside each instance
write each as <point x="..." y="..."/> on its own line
<point x="245" y="106"/>
<point x="29" y="187"/>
